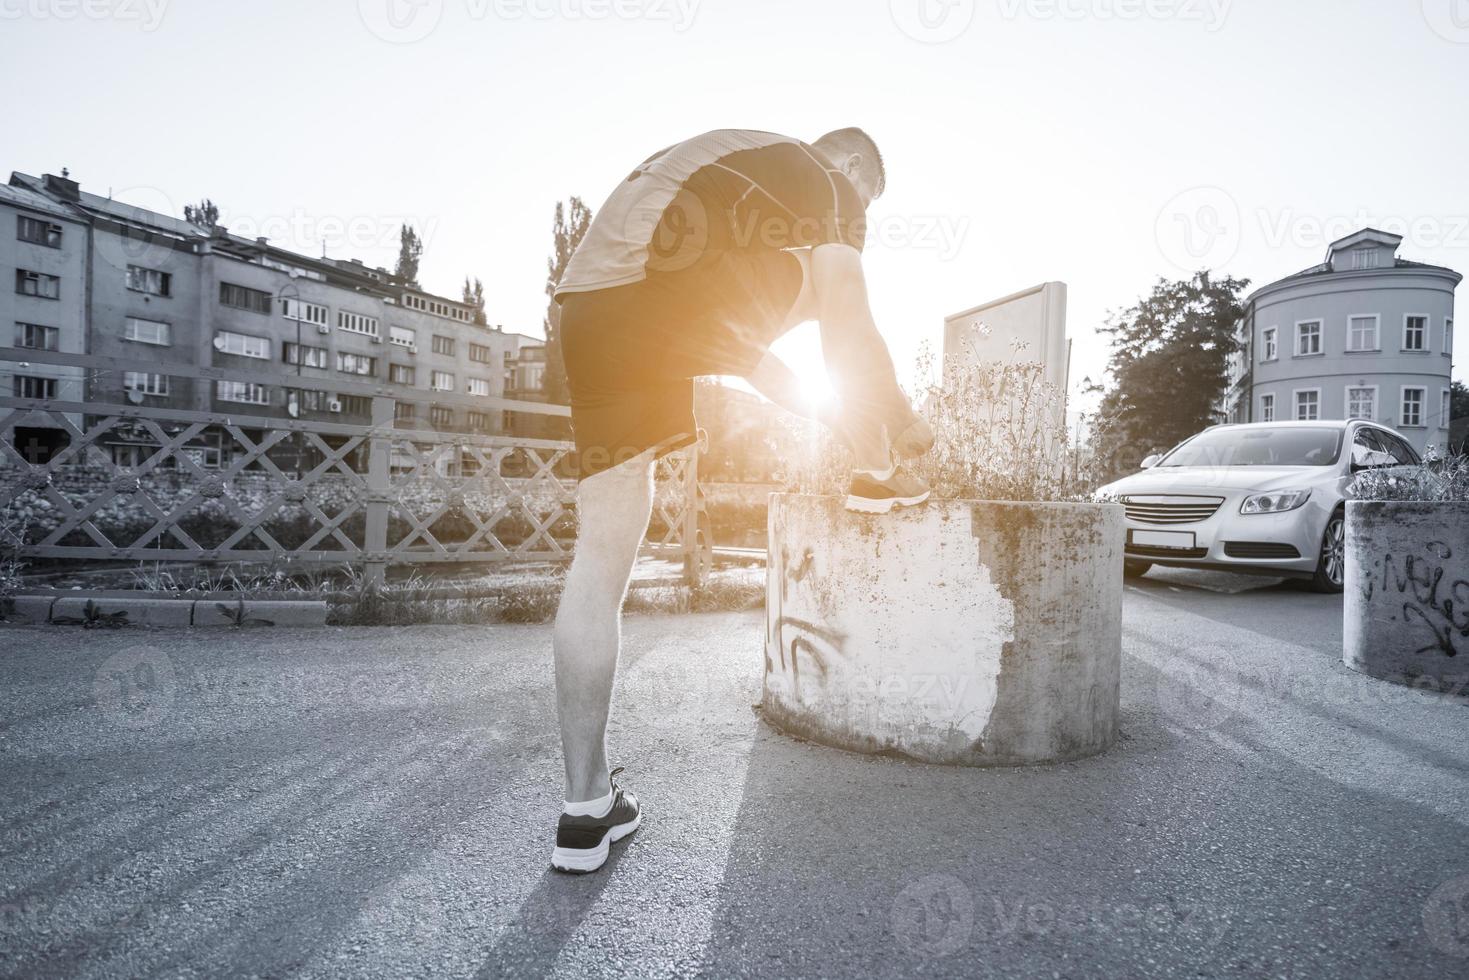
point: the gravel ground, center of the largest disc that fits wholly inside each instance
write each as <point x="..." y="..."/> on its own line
<point x="380" y="802"/>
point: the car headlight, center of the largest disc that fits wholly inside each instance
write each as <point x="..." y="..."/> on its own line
<point x="1274" y="503"/>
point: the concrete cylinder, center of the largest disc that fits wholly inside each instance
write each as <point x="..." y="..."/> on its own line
<point x="962" y="632"/>
<point x="1406" y="596"/>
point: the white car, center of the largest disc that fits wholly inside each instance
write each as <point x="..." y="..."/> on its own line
<point x="1265" y="497"/>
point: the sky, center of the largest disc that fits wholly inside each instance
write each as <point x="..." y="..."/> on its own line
<point x="1102" y="143"/>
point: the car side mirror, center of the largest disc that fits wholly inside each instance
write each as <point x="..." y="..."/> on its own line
<point x="1151" y="461"/>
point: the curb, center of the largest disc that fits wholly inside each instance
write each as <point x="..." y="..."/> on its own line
<point x="82" y="610"/>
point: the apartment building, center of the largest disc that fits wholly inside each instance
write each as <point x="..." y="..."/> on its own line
<point x="185" y="297"/>
<point x="1365" y="334"/>
<point x="43" y="250"/>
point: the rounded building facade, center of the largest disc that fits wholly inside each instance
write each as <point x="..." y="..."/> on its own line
<point x="1363" y="335"/>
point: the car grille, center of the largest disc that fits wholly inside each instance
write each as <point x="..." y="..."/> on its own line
<point x="1142" y="551"/>
<point x="1260" y="549"/>
<point x="1171" y="509"/>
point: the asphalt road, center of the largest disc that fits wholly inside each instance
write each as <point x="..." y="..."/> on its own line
<point x="380" y="802"/>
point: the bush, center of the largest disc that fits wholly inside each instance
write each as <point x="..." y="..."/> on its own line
<point x="1440" y="479"/>
<point x="1000" y="434"/>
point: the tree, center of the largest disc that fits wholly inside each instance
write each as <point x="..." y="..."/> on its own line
<point x="570" y="224"/>
<point x="1458" y="400"/>
<point x="474" y="295"/>
<point x="1167" y="368"/>
<point x="203" y="215"/>
<point x="410" y="250"/>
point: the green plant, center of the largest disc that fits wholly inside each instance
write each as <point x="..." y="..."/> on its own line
<point x="235" y="613"/>
<point x="1440" y="479"/>
<point x="93" y="618"/>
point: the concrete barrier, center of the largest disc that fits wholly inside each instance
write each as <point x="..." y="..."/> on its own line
<point x="961" y="632"/>
<point x="1405" y="606"/>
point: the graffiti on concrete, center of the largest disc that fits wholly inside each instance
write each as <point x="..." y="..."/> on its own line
<point x="791" y="637"/>
<point x="1430" y="598"/>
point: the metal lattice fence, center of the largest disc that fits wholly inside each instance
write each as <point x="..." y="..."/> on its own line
<point x="201" y="486"/>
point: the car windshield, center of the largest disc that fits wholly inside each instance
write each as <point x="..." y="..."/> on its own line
<point x="1269" y="446"/>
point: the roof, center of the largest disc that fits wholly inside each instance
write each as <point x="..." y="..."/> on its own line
<point x="33" y="188"/>
<point x="25" y="197"/>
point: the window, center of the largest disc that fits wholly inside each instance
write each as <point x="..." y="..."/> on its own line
<point x="1364" y="258"/>
<point x="1268" y="349"/>
<point x="244" y="298"/>
<point x="1362" y="402"/>
<point x="150" y="281"/>
<point x="245" y="392"/>
<point x="37" y="232"/>
<point x="440" y="417"/>
<point x="1445" y="409"/>
<point x="1448" y="335"/>
<point x="26" y="386"/>
<point x="303" y="355"/>
<point x="357" y="323"/>
<point x="37" y="284"/>
<point x="479" y="421"/>
<point x="241" y="344"/>
<point x="1415" y="332"/>
<point x="307" y="401"/>
<point x="1308" y="405"/>
<point x="356" y="363"/>
<point x="355" y="404"/>
<point x="146" y="331"/>
<point x="444" y="345"/>
<point x="1267" y="408"/>
<point x="1362" y="332"/>
<point x="1401" y="452"/>
<point x="1368" y="451"/>
<point x="402" y="336"/>
<point x="405" y="412"/>
<point x="148" y="384"/>
<point x="401" y="374"/>
<point x="37" y="337"/>
<point x="1308" y="338"/>
<point x="442" y="381"/>
<point x="1411" y="414"/>
<point x="477" y="386"/>
<point x="481" y="354"/>
<point x="295" y="309"/>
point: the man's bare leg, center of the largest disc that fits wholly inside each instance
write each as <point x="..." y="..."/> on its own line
<point x="613" y="508"/>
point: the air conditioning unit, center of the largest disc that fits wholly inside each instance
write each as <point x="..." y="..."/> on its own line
<point x="412" y="349"/>
<point x="334" y="406"/>
<point x="323" y="328"/>
<point x="377" y="340"/>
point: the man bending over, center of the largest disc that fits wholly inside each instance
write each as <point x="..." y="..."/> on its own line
<point x="700" y="259"/>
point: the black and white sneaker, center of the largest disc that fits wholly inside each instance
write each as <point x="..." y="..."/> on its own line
<point x="876" y="493"/>
<point x="582" y="843"/>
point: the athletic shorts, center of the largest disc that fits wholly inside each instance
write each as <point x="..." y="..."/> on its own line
<point x="632" y="351"/>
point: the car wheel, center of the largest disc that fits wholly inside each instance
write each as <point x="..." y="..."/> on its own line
<point x="1331" y="564"/>
<point x="1135" y="569"/>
